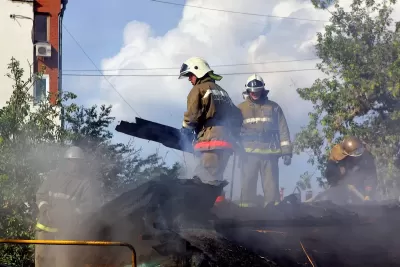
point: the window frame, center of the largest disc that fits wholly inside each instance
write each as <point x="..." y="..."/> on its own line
<point x="47" y="27"/>
<point x="47" y="91"/>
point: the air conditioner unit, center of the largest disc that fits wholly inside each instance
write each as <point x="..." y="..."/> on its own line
<point x="43" y="49"/>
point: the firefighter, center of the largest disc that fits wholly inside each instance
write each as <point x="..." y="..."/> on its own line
<point x="211" y="121"/>
<point x="351" y="163"/>
<point x="266" y="138"/>
<point x="62" y="199"/>
<point x="44" y="256"/>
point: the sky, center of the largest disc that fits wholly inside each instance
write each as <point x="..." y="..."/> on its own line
<point x="125" y="34"/>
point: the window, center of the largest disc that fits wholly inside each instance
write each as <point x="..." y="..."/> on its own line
<point x="41" y="27"/>
<point x="41" y="89"/>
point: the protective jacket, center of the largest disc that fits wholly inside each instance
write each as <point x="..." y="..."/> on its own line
<point x="65" y="196"/>
<point x="212" y="115"/>
<point x="360" y="171"/>
<point x="265" y="130"/>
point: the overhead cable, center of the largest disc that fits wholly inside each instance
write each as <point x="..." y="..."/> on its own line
<point x="112" y="86"/>
<point x="175" y="75"/>
<point x="215" y="66"/>
<point x="94" y="64"/>
<point x="236" y="12"/>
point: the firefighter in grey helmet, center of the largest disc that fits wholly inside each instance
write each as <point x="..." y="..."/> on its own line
<point x="62" y="199"/>
<point x="266" y="138"/>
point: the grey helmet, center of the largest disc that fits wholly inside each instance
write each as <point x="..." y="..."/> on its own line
<point x="74" y="152"/>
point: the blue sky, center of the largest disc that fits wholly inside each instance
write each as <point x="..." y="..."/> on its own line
<point x="100" y="28"/>
<point x="105" y="21"/>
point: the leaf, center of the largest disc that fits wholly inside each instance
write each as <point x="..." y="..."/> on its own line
<point x="360" y="54"/>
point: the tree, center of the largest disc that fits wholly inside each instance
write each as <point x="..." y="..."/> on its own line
<point x="117" y="165"/>
<point x="360" y="55"/>
<point x="32" y="143"/>
<point x="305" y="181"/>
<point x="23" y="131"/>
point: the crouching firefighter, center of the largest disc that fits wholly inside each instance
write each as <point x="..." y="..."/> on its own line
<point x="266" y="138"/>
<point x="351" y="164"/>
<point x="62" y="199"/>
<point x="211" y="119"/>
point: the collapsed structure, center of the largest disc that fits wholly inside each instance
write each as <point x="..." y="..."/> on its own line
<point x="176" y="222"/>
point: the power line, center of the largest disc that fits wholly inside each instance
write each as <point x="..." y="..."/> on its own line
<point x="175" y="75"/>
<point x="236" y="12"/>
<point x="94" y="64"/>
<point x="222" y="65"/>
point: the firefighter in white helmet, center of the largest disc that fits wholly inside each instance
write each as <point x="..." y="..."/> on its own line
<point x="212" y="121"/>
<point x="63" y="198"/>
<point x="266" y="138"/>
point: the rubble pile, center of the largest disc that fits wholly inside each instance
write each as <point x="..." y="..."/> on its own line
<point x="175" y="223"/>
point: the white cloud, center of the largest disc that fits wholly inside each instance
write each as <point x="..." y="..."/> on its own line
<point x="220" y="38"/>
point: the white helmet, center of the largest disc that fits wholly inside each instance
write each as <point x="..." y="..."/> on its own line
<point x="255" y="84"/>
<point x="198" y="66"/>
<point x="74" y="152"/>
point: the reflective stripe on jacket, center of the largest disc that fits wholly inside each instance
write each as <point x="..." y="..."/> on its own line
<point x="46" y="228"/>
<point x="213" y="144"/>
<point x="264" y="130"/>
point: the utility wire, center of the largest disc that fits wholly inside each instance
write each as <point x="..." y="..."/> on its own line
<point x="175" y="75"/>
<point x="236" y="12"/>
<point x="94" y="64"/>
<point x="215" y="66"/>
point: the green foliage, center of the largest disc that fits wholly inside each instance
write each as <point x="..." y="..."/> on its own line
<point x="23" y="130"/>
<point x="32" y="143"/>
<point x="360" y="96"/>
<point x="117" y="165"/>
<point x="305" y="181"/>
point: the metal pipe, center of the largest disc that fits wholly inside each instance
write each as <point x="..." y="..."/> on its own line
<point x="72" y="243"/>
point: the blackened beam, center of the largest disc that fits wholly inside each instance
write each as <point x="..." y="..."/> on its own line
<point x="156" y="132"/>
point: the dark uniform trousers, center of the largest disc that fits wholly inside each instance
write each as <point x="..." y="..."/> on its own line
<point x="53" y="255"/>
<point x="212" y="164"/>
<point x="268" y="168"/>
<point x="44" y="254"/>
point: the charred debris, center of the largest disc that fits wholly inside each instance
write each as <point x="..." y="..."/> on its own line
<point x="177" y="223"/>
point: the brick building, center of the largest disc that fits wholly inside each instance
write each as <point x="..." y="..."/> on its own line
<point x="31" y="32"/>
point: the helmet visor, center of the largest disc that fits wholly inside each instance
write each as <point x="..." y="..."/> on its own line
<point x="255" y="86"/>
<point x="184" y="71"/>
<point x="355" y="153"/>
<point x="255" y="83"/>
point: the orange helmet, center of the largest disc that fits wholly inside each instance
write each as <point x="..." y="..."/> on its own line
<point x="352" y="146"/>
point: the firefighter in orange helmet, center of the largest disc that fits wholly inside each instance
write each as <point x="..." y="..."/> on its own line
<point x="350" y="162"/>
<point x="211" y="119"/>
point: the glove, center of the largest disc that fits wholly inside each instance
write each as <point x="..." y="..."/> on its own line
<point x="187" y="132"/>
<point x="287" y="160"/>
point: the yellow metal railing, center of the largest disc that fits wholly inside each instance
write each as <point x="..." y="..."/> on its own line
<point x="73" y="243"/>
